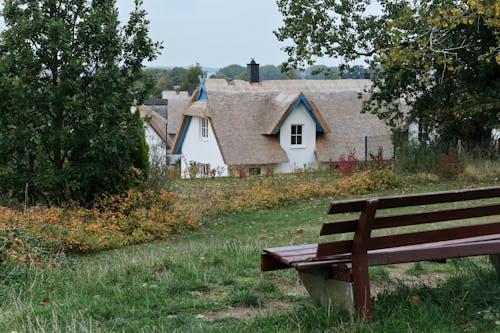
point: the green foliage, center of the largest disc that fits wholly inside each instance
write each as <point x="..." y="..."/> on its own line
<point x="67" y="69"/>
<point x="191" y="78"/>
<point x="140" y="154"/>
<point x="271" y="72"/>
<point x="417" y="157"/>
<point x="235" y="72"/>
<point x="160" y="79"/>
<point x="441" y="57"/>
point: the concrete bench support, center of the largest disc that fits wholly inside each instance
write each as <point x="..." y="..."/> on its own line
<point x="326" y="291"/>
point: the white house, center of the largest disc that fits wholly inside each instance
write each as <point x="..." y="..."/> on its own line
<point x="156" y="134"/>
<point x="281" y="125"/>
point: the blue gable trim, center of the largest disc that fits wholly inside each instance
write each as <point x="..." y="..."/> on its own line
<point x="302" y="99"/>
<point x="202" y="93"/>
<point x="178" y="150"/>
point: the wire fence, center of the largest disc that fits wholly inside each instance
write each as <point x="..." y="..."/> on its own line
<point x="414" y="156"/>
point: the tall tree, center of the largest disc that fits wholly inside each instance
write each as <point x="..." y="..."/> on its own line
<point x="191" y="78"/>
<point x="67" y="68"/>
<point x="441" y="56"/>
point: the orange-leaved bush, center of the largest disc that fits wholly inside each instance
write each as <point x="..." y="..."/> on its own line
<point x="131" y="218"/>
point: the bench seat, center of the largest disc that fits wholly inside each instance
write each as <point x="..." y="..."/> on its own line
<point x="304" y="256"/>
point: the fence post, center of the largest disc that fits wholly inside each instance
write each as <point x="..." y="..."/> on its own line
<point x="366" y="148"/>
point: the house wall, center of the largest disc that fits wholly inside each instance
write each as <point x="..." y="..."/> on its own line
<point x="157" y="148"/>
<point x="303" y="156"/>
<point x="201" y="151"/>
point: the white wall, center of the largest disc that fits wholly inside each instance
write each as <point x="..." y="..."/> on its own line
<point x="298" y="157"/>
<point x="157" y="148"/>
<point x="196" y="149"/>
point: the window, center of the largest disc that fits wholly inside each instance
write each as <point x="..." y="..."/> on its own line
<point x="205" y="169"/>
<point x="296" y="139"/>
<point x="254" y="171"/>
<point x="204" y="129"/>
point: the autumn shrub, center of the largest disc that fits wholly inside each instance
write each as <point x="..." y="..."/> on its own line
<point x="114" y="221"/>
<point x="377" y="161"/>
<point x="372" y="180"/>
<point x="449" y="165"/>
<point x="18" y="245"/>
<point x="267" y="193"/>
<point x="348" y="165"/>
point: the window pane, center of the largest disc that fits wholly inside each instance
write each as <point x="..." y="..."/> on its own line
<point x="299" y="140"/>
<point x="294" y="142"/>
<point x="294" y="129"/>
<point x="299" y="129"/>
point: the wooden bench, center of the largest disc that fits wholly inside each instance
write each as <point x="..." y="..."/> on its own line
<point x="329" y="260"/>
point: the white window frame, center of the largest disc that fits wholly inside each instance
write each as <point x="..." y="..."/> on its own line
<point x="204" y="129"/>
<point x="297" y="136"/>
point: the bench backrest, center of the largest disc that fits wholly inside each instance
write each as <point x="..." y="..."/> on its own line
<point x="368" y="221"/>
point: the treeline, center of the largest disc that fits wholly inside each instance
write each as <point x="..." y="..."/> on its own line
<point x="272" y="72"/>
<point x="180" y="78"/>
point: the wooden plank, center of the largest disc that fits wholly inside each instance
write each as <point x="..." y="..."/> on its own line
<point x="413" y="238"/>
<point x="359" y="270"/>
<point x="436" y="216"/>
<point x="468" y="240"/>
<point x="321" y="263"/>
<point x="305" y="251"/>
<point x="326" y="249"/>
<point x="356" y="205"/>
<point x="290" y="248"/>
<point x="434" y="253"/>
<point x="413" y="218"/>
<point x="298" y="258"/>
<point x="270" y="263"/>
<point x="429" y="236"/>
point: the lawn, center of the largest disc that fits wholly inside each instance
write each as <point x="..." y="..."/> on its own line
<point x="208" y="280"/>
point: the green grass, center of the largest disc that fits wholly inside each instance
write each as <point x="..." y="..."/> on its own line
<point x="208" y="280"/>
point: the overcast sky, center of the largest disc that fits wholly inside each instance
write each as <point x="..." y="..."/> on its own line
<point x="214" y="33"/>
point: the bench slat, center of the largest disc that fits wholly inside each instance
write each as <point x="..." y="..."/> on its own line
<point x="290" y="248"/>
<point x="415" y="238"/>
<point x="434" y="253"/>
<point x="270" y="263"/>
<point x="357" y="205"/>
<point x="413" y="218"/>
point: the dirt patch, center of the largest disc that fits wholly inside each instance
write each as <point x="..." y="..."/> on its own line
<point x="289" y="287"/>
<point x="245" y="313"/>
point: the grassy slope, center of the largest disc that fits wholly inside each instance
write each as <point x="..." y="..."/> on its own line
<point x="185" y="284"/>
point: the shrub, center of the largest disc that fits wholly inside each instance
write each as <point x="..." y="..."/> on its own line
<point x="193" y="169"/>
<point x="242" y="173"/>
<point x="449" y="166"/>
<point x="114" y="221"/>
<point x="365" y="181"/>
<point x="269" y="170"/>
<point x="348" y="165"/>
<point x="377" y="160"/>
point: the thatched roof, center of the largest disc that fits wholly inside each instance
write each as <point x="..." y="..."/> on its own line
<point x="247" y="116"/>
<point x="177" y="102"/>
<point x="155" y="120"/>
